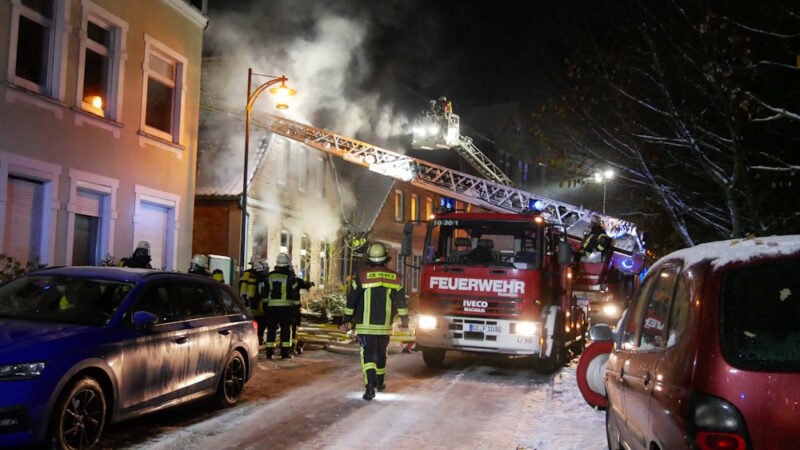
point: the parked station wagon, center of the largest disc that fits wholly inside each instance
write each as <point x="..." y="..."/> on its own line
<point x="84" y="346"/>
<point x="708" y="356"/>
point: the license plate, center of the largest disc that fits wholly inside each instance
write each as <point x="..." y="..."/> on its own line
<point x="485" y="328"/>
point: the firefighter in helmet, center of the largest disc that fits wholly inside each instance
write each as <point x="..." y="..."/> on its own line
<point x="253" y="290"/>
<point x="281" y="306"/>
<point x="596" y="239"/>
<point x="199" y="265"/>
<point x="376" y="292"/>
<point x="140" y="258"/>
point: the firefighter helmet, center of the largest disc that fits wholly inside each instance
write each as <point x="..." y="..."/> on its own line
<point x="260" y="264"/>
<point x="282" y="260"/>
<point x="377" y="253"/>
<point x="144" y="245"/>
<point x="200" y="260"/>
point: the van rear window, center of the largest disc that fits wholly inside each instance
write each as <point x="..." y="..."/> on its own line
<point x="760" y="320"/>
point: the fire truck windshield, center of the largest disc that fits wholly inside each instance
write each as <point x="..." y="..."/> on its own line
<point x="484" y="243"/>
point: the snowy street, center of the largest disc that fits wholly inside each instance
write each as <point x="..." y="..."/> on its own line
<point x="314" y="401"/>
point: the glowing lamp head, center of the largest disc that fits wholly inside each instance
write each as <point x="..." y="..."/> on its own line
<point x="282" y="94"/>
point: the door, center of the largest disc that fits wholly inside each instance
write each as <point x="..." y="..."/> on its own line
<point x="87" y="228"/>
<point x="152" y="227"/>
<point x="210" y="330"/>
<point x="22" y="233"/>
<point x="642" y="367"/>
<point x="619" y="362"/>
<point x="155" y="360"/>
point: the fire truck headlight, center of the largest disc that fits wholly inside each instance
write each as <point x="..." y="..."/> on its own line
<point x="527" y="328"/>
<point x="427" y="322"/>
<point x="611" y="310"/>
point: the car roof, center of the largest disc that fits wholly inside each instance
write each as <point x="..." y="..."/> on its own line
<point x="125" y="274"/>
<point x="736" y="251"/>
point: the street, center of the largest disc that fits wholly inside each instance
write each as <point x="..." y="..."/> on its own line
<point x="314" y="401"/>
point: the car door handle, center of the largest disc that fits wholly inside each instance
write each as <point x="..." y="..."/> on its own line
<point x="622" y="375"/>
<point x="182" y="340"/>
<point x="224" y="331"/>
<point x="646" y="379"/>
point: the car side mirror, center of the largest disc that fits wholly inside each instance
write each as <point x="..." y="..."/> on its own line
<point x="408" y="236"/>
<point x="564" y="253"/>
<point x="144" y="319"/>
<point x="601" y="333"/>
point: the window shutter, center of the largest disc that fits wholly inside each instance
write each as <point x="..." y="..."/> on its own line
<point x="23" y="222"/>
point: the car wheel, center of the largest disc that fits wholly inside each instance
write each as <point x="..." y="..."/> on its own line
<point x="612" y="435"/>
<point x="231" y="384"/>
<point x="433" y="357"/>
<point x="79" y="416"/>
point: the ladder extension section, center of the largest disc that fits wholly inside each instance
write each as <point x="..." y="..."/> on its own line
<point x="475" y="157"/>
<point x="432" y="177"/>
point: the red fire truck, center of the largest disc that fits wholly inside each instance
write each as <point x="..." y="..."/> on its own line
<point x="497" y="283"/>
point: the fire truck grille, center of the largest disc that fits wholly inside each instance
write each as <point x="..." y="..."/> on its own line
<point x="460" y="306"/>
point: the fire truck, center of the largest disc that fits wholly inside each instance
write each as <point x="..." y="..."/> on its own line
<point x="494" y="282"/>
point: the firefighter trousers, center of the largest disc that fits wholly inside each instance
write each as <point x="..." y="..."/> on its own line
<point x="261" y="323"/>
<point x="374" y="350"/>
<point x="283" y="317"/>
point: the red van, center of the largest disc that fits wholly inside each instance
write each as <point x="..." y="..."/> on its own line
<point x="708" y="355"/>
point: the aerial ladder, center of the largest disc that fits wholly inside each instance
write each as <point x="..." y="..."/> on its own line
<point x="478" y="191"/>
<point x="439" y="128"/>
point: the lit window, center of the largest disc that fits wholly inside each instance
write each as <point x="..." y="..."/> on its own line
<point x="398" y="205"/>
<point x="101" y="64"/>
<point x="414" y="207"/>
<point x="35" y="50"/>
<point x="428" y="208"/>
<point x="305" y="257"/>
<point x="286" y="242"/>
<point x="163" y="89"/>
<point x="324" y="258"/>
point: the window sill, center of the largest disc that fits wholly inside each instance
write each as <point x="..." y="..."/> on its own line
<point x="82" y="117"/>
<point x="146" y="138"/>
<point x="15" y="92"/>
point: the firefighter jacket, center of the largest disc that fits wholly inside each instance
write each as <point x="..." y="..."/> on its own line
<point x="596" y="240"/>
<point x="253" y="288"/>
<point x="375" y="293"/>
<point x="282" y="284"/>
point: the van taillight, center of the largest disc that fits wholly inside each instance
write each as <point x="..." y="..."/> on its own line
<point x="715" y="424"/>
<point x="720" y="441"/>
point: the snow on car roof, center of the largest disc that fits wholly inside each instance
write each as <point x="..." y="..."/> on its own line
<point x="722" y="253"/>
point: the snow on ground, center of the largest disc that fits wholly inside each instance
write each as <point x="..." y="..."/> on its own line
<point x="473" y="403"/>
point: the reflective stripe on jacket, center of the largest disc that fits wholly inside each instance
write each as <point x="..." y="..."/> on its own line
<point x="375" y="292"/>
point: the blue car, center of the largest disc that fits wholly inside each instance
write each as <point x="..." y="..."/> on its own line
<point x="81" y="347"/>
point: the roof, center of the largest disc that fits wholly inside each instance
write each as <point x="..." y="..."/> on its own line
<point x="722" y="253"/>
<point x="370" y="191"/>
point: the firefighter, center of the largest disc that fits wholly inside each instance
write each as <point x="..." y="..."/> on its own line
<point x="596" y="239"/>
<point x="199" y="265"/>
<point x="140" y="258"/>
<point x="253" y="290"/>
<point x="375" y="293"/>
<point x="218" y="275"/>
<point x="297" y="347"/>
<point x="281" y="283"/>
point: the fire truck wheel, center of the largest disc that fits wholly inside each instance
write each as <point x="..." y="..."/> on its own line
<point x="433" y="357"/>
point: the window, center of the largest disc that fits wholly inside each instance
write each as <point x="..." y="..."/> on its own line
<point x="324" y="258"/>
<point x="679" y="314"/>
<point x="101" y="61"/>
<point x="302" y="168"/>
<point x="91" y="218"/>
<point x="159" y="300"/>
<point x="634" y="314"/>
<point x="398" y="205"/>
<point x="199" y="301"/>
<point x="164" y="76"/>
<point x="37" y="44"/>
<point x="654" y="323"/>
<point x="231" y="305"/>
<point x="401" y="270"/>
<point x="428" y="208"/>
<point x="286" y="242"/>
<point x="305" y="257"/>
<point x="414" y="207"/>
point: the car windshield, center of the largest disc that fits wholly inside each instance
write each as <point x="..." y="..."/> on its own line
<point x="61" y="299"/>
<point x="487" y="243"/>
<point x="760" y="316"/>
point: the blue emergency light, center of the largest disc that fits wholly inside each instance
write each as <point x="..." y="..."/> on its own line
<point x="535" y="204"/>
<point x="447" y="204"/>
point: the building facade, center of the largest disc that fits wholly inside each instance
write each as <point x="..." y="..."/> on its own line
<point x="98" y="128"/>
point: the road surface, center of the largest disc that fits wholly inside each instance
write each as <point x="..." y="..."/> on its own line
<point x="314" y="401"/>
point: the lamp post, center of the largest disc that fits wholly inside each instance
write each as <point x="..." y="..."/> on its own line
<point x="603" y="177"/>
<point x="282" y="93"/>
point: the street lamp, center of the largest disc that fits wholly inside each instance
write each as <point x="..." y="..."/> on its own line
<point x="282" y="94"/>
<point x="603" y="177"/>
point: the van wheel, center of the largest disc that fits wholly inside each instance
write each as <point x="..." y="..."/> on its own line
<point x="433" y="357"/>
<point x="231" y="383"/>
<point x="79" y="416"/>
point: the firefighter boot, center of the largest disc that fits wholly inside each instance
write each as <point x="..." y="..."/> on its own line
<point x="369" y="393"/>
<point x="380" y="387"/>
<point x="270" y="352"/>
<point x="299" y="347"/>
<point x="286" y="353"/>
